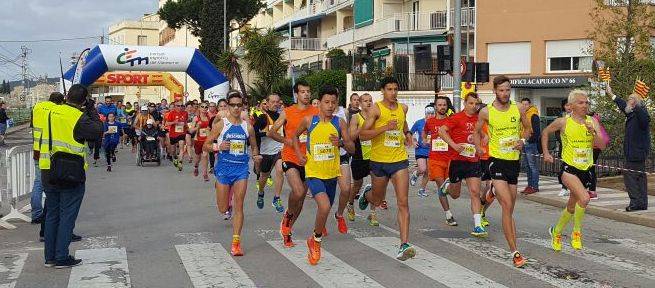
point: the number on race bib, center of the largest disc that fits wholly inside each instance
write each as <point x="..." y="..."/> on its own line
<point x="366" y="143"/>
<point x="392" y="138"/>
<point x="469" y="150"/>
<point x="148" y="138"/>
<point x="112" y="129"/>
<point x="237" y="147"/>
<point x="179" y="128"/>
<point x="202" y="132"/>
<point x="323" y="152"/>
<point x="581" y="155"/>
<point x="507" y="144"/>
<point x="439" y="145"/>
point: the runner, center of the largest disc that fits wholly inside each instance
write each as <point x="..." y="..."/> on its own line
<point x="270" y="150"/>
<point x="464" y="163"/>
<point x="439" y="157"/>
<point x="421" y="151"/>
<point x="112" y="132"/>
<point x="176" y="121"/>
<point x="505" y="123"/>
<point x="360" y="166"/>
<point x="325" y="134"/>
<point x="295" y="172"/>
<point x="344" y="180"/>
<point x="315" y="103"/>
<point x="487" y="195"/>
<point x="232" y="168"/>
<point x="579" y="133"/>
<point x="190" y="135"/>
<point x="387" y="129"/>
<point x="200" y="129"/>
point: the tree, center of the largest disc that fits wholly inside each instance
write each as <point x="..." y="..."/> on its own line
<point x="621" y="37"/>
<point x="264" y="57"/>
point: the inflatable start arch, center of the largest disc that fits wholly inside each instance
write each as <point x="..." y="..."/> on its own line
<point x="103" y="58"/>
<point x="143" y="79"/>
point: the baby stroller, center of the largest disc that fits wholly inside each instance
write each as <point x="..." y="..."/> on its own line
<point x="148" y="147"/>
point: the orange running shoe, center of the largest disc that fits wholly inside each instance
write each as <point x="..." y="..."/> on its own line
<point x="383" y="205"/>
<point x="324" y="232"/>
<point x="285" y="232"/>
<point x="314" y="247"/>
<point x="341" y="224"/>
<point x="236" y="249"/>
<point x="519" y="260"/>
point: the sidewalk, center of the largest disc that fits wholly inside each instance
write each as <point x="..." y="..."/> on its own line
<point x="610" y="204"/>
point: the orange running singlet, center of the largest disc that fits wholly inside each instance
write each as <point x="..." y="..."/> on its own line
<point x="293" y="118"/>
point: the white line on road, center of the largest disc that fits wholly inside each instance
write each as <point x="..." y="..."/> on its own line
<point x="435" y="267"/>
<point x="104" y="267"/>
<point x="329" y="272"/>
<point x="599" y="257"/>
<point x="638" y="246"/>
<point x="210" y="265"/>
<point x="10" y="268"/>
<point x="553" y="275"/>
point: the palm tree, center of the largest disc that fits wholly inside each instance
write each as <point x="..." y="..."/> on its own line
<point x="264" y="56"/>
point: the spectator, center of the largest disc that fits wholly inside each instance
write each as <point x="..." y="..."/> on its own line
<point x="163" y="105"/>
<point x="107" y="107"/>
<point x="531" y="148"/>
<point x="3" y="122"/>
<point x="606" y="139"/>
<point x="636" y="145"/>
<point x="353" y="106"/>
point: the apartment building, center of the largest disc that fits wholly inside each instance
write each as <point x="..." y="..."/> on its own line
<point x="144" y="32"/>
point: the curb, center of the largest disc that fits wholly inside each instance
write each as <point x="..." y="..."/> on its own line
<point x="598" y="211"/>
<point x="17" y="128"/>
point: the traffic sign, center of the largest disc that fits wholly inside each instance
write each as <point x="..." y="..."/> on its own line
<point x="462" y="67"/>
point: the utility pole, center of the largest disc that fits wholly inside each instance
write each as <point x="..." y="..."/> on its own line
<point x="26" y="92"/>
<point x="225" y="26"/>
<point x="457" y="55"/>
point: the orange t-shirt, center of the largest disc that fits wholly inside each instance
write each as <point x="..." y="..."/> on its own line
<point x="293" y="118"/>
<point x="485" y="130"/>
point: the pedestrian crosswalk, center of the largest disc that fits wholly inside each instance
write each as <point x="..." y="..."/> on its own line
<point x="209" y="264"/>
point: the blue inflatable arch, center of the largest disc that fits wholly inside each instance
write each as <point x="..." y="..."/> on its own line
<point x="104" y="58"/>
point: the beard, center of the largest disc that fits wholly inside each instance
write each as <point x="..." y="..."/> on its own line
<point x="501" y="101"/>
<point x="629" y="109"/>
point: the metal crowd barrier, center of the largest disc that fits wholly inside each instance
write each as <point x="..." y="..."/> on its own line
<point x="19" y="179"/>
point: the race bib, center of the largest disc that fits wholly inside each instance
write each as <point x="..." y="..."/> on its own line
<point x="112" y="129"/>
<point x="179" y="128"/>
<point x="581" y="155"/>
<point x="237" y="147"/>
<point x="439" y="145"/>
<point x="392" y="138"/>
<point x="150" y="138"/>
<point x="323" y="152"/>
<point x="122" y="120"/>
<point x="189" y="125"/>
<point x="507" y="144"/>
<point x="366" y="143"/>
<point x="303" y="138"/>
<point x="202" y="132"/>
<point x="469" y="150"/>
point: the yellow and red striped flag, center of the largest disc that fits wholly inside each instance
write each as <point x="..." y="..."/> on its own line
<point x="641" y="89"/>
<point x="604" y="74"/>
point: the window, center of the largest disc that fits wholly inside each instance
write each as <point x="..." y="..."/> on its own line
<point x="142" y="40"/>
<point x="569" y="55"/>
<point x="509" y="58"/>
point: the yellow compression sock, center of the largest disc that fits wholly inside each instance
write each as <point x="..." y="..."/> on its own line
<point x="577" y="218"/>
<point x="236" y="238"/>
<point x="563" y="221"/>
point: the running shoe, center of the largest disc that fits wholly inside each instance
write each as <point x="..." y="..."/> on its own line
<point x="350" y="212"/>
<point x="285" y="231"/>
<point x="277" y="204"/>
<point x="555" y="239"/>
<point x="421" y="193"/>
<point x="314" y="247"/>
<point x="479" y="231"/>
<point x="228" y="214"/>
<point x="576" y="240"/>
<point x="113" y="158"/>
<point x="195" y="171"/>
<point x="414" y="178"/>
<point x="451" y="221"/>
<point x="260" y="200"/>
<point x="341" y="224"/>
<point x="205" y="177"/>
<point x="363" y="203"/>
<point x="269" y="182"/>
<point x="95" y="163"/>
<point x="484" y="222"/>
<point x="179" y="167"/>
<point x="236" y="249"/>
<point x="443" y="189"/>
<point x="405" y="252"/>
<point x="518" y="259"/>
<point x="175" y="162"/>
<point x="564" y="192"/>
<point x="108" y="168"/>
<point x="373" y="219"/>
<point x="384" y="205"/>
<point x="593" y="195"/>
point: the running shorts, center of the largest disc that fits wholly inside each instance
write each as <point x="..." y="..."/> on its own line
<point x="286" y="165"/>
<point x="328" y="186"/>
<point x="175" y="140"/>
<point x="438" y="169"/>
<point x="460" y="170"/>
<point x="505" y="170"/>
<point x="360" y="168"/>
<point x="583" y="175"/>
<point x="230" y="173"/>
<point x="387" y="170"/>
<point x="268" y="162"/>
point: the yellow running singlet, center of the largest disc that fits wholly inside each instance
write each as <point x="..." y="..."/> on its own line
<point x="504" y="132"/>
<point x="577" y="144"/>
<point x="322" y="157"/>
<point x="389" y="146"/>
<point x="366" y="144"/>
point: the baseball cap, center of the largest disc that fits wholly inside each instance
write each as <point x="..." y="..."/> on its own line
<point x="150" y="122"/>
<point x="429" y="110"/>
<point x="144" y="108"/>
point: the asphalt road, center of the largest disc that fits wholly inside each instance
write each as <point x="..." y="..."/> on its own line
<point x="156" y="227"/>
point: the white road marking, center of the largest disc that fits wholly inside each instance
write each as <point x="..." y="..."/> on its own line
<point x="210" y="265"/>
<point x="638" y="246"/>
<point x="10" y="268"/>
<point x="435" y="267"/>
<point x="329" y="272"/>
<point x="103" y="267"/>
<point x="553" y="275"/>
<point x="599" y="257"/>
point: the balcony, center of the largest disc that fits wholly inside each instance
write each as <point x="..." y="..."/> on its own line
<point x="334" y="5"/>
<point x="406" y="82"/>
<point x="468" y="17"/>
<point x="303" y="44"/>
<point x="315" y="9"/>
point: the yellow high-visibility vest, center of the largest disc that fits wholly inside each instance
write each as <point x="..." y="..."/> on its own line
<point x="62" y="121"/>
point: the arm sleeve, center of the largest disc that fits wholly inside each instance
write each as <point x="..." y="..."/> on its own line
<point x="642" y="117"/>
<point x="620" y="103"/>
<point x="88" y="127"/>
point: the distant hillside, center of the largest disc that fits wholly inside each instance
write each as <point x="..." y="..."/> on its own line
<point x="32" y="83"/>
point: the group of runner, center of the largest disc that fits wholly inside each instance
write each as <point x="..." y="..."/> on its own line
<point x="320" y="146"/>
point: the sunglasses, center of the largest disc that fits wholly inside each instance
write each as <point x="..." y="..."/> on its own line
<point x="179" y="105"/>
<point x="235" y="105"/>
<point x="203" y="106"/>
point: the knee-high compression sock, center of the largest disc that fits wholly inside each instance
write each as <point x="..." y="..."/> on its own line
<point x="563" y="221"/>
<point x="577" y="218"/>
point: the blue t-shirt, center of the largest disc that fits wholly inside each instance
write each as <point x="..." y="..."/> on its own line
<point x="106" y="109"/>
<point x="417" y="129"/>
<point x="113" y="137"/>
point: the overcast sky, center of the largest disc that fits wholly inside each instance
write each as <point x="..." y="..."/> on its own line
<point x="57" y="19"/>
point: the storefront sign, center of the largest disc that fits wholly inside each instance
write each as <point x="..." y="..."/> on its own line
<point x="549" y="82"/>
